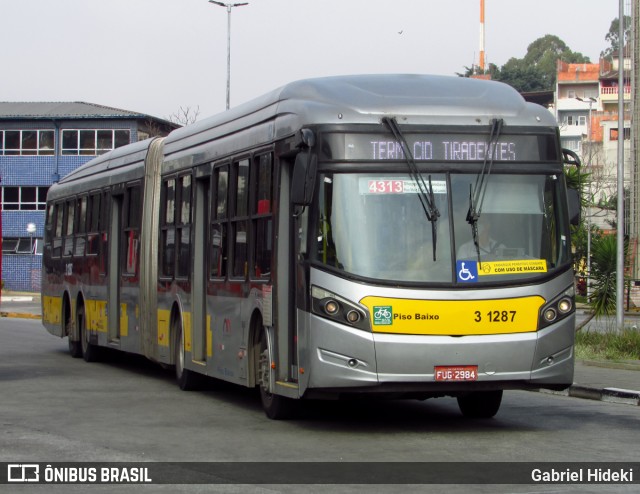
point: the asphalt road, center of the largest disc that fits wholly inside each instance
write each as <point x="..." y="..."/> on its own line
<point x="54" y="409"/>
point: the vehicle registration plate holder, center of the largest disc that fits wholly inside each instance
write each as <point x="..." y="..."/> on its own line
<point x="455" y="372"/>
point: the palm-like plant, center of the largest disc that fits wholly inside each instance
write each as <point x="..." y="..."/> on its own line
<point x="603" y="277"/>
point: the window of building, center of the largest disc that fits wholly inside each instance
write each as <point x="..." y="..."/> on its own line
<point x="92" y="142"/>
<point x="25" y="198"/>
<point x="572" y="144"/>
<point x="582" y="120"/>
<point x="569" y="120"/>
<point x="26" y="142"/>
<point x="21" y="245"/>
<point x="613" y="134"/>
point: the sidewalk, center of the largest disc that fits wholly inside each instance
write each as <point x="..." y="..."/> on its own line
<point x="20" y="304"/>
<point x="617" y="382"/>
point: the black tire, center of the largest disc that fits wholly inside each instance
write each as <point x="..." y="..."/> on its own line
<point x="187" y="380"/>
<point x="276" y="407"/>
<point x="480" y="404"/>
<point x="90" y="352"/>
<point x="75" y="347"/>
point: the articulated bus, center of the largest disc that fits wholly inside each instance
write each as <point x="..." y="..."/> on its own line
<point x="398" y="236"/>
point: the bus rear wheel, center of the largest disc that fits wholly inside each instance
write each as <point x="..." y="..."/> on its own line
<point x="75" y="346"/>
<point x="276" y="407"/>
<point x="480" y="404"/>
<point x="187" y="379"/>
<point x="89" y="350"/>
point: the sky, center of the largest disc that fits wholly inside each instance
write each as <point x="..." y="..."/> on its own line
<point x="158" y="56"/>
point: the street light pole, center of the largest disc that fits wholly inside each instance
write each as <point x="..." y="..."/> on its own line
<point x="591" y="101"/>
<point x="228" y="6"/>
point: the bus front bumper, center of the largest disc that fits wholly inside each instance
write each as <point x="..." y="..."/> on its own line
<point x="345" y="360"/>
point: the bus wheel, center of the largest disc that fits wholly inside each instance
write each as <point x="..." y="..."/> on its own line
<point x="187" y="379"/>
<point x="75" y="346"/>
<point x="89" y="351"/>
<point x="275" y="406"/>
<point x="480" y="404"/>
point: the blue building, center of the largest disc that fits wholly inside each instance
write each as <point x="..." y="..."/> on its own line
<point x="39" y="144"/>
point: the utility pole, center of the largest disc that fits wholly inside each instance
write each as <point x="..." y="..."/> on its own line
<point x="228" y="6"/>
<point x="620" y="219"/>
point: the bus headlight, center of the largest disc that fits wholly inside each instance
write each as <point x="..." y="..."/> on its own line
<point x="558" y="308"/>
<point x="330" y="306"/>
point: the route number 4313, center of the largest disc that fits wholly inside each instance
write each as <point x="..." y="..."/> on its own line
<point x="496" y="316"/>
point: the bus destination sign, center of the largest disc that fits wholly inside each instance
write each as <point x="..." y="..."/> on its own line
<point x="442" y="147"/>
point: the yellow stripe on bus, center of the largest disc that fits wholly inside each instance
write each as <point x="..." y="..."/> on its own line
<point x="124" y="320"/>
<point x="453" y="317"/>
<point x="96" y="315"/>
<point x="52" y="309"/>
<point x="186" y="318"/>
<point x="163" y="327"/>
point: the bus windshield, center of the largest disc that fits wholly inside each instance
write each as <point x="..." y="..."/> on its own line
<point x="374" y="226"/>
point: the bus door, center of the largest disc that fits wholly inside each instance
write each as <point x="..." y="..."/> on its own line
<point x="113" y="286"/>
<point x="199" y="265"/>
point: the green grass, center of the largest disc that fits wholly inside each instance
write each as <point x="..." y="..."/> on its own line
<point x="608" y="345"/>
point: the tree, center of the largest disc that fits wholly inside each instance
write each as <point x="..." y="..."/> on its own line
<point x="185" y="116"/>
<point x="537" y="70"/>
<point x="612" y="36"/>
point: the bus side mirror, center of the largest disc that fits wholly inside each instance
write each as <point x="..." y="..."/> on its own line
<point x="574" y="206"/>
<point x="304" y="178"/>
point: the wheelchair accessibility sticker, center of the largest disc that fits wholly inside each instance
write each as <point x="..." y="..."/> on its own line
<point x="468" y="272"/>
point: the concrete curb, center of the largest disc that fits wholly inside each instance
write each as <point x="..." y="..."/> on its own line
<point x="20" y="315"/>
<point x="610" y="395"/>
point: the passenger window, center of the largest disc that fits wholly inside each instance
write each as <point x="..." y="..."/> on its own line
<point x="262" y="217"/>
<point x="132" y="230"/>
<point x="183" y="231"/>
<point x="218" y="249"/>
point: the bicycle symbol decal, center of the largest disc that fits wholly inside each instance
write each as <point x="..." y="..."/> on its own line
<point x="382" y="315"/>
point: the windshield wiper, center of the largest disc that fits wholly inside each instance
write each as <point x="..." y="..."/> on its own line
<point x="425" y="193"/>
<point x="476" y="196"/>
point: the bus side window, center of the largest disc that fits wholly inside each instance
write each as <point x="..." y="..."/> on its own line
<point x="103" y="228"/>
<point x="57" y="239"/>
<point x="168" y="229"/>
<point x="183" y="229"/>
<point x="132" y="212"/>
<point x="219" y="217"/>
<point x="81" y="226"/>
<point x="68" y="231"/>
<point x="239" y="222"/>
<point x="93" y="224"/>
<point x="262" y="216"/>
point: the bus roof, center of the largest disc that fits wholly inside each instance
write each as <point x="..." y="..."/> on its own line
<point x="118" y="160"/>
<point x="414" y="99"/>
<point x="355" y="99"/>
